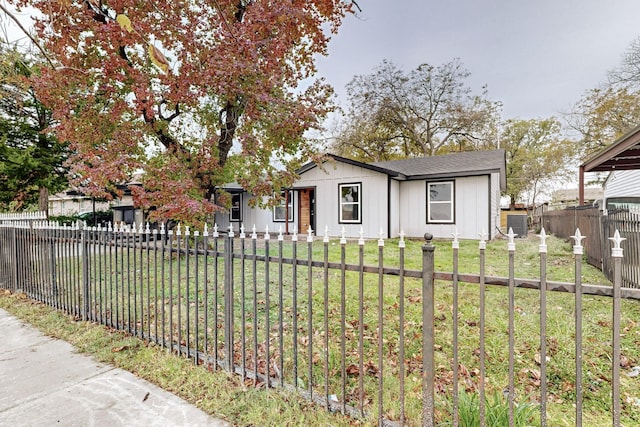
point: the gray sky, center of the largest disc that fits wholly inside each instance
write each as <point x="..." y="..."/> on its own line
<point x="538" y="57"/>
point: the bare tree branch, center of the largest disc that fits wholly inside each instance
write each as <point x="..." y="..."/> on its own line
<point x="24" y="30"/>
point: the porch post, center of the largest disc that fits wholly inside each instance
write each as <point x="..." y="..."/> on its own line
<point x="581" y="186"/>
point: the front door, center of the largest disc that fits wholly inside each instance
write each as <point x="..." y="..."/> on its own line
<point x="307" y="210"/>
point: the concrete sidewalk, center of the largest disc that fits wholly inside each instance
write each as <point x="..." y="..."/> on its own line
<point x="44" y="381"/>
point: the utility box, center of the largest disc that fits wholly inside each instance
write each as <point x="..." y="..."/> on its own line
<point x="518" y="223"/>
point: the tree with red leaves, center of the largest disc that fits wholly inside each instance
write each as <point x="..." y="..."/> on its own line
<point x="195" y="94"/>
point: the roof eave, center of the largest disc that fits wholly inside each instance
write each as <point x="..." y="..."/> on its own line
<point x="602" y="161"/>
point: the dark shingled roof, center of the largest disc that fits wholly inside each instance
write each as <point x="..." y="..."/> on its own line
<point x="456" y="163"/>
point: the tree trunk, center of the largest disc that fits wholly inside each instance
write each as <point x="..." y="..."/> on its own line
<point x="43" y="200"/>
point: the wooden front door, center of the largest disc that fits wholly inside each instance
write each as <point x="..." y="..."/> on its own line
<point x="307" y="210"/>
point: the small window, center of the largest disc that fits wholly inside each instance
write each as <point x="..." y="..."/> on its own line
<point x="350" y="203"/>
<point x="235" y="213"/>
<point x="440" y="197"/>
<point x="285" y="206"/>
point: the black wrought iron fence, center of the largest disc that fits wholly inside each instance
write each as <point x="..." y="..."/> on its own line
<point x="362" y="337"/>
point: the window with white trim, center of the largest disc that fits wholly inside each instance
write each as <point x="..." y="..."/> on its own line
<point x="286" y="206"/>
<point x="350" y="203"/>
<point x="235" y="213"/>
<point x="440" y="202"/>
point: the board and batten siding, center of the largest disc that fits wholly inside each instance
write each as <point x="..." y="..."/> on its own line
<point x="374" y="198"/>
<point x="472" y="210"/>
<point x="495" y="206"/>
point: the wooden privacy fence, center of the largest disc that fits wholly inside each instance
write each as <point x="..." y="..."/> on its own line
<point x="366" y="338"/>
<point x="600" y="228"/>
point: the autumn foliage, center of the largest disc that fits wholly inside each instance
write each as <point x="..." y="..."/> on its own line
<point x="194" y="93"/>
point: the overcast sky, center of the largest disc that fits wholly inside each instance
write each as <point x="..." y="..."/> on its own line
<point x="538" y="56"/>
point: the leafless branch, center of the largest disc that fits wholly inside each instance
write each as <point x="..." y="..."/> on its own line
<point x="24" y="30"/>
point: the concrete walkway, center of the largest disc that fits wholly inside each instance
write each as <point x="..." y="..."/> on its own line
<point x="44" y="381"/>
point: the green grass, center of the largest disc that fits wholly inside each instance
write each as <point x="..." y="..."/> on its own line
<point x="560" y="330"/>
<point x="217" y="393"/>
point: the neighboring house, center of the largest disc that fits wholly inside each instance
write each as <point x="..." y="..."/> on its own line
<point x="563" y="198"/>
<point x="71" y="202"/>
<point x="440" y="195"/>
<point x="622" y="188"/>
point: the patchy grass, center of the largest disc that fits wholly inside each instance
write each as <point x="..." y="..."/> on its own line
<point x="217" y="393"/>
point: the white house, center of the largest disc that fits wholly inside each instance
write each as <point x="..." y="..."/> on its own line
<point x="438" y="195"/>
<point x="622" y="188"/>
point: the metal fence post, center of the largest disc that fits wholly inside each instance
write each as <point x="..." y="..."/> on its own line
<point x="616" y="255"/>
<point x="16" y="263"/>
<point x="428" y="363"/>
<point x="85" y="271"/>
<point x="228" y="298"/>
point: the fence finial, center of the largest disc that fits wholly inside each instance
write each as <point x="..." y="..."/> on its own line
<point x="215" y="229"/>
<point x="542" y="248"/>
<point x="577" y="248"/>
<point x="294" y="236"/>
<point x="231" y="233"/>
<point x="456" y="243"/>
<point x="205" y="231"/>
<point x="380" y="239"/>
<point x="616" y="251"/>
<point x="309" y="235"/>
<point x="512" y="244"/>
<point x="280" y="236"/>
<point x="401" y="243"/>
<point x="483" y="239"/>
<point x="267" y="236"/>
<point x="361" y="239"/>
<point x="343" y="238"/>
<point x="254" y="235"/>
<point x="325" y="238"/>
<point x="242" y="233"/>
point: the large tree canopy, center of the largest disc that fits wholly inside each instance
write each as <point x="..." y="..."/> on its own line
<point x="537" y="155"/>
<point x="31" y="159"/>
<point x="194" y="93"/>
<point x="606" y="113"/>
<point x="427" y="111"/>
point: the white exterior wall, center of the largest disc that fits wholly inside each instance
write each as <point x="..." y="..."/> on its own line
<point x="395" y="210"/>
<point x="495" y="206"/>
<point x="623" y="184"/>
<point x="258" y="217"/>
<point x="472" y="211"/>
<point x="374" y="207"/>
